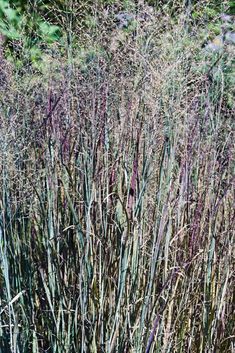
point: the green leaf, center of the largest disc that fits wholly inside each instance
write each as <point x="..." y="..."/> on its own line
<point x="9" y="31"/>
<point x="49" y="33"/>
<point x="11" y="14"/>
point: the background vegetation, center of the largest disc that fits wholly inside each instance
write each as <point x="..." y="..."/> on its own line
<point x="117" y="178"/>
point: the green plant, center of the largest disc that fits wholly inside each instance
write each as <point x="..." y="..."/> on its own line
<point x="117" y="195"/>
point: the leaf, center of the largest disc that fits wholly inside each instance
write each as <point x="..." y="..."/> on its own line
<point x="9" y="31"/>
<point x="49" y="33"/>
<point x="11" y="14"/>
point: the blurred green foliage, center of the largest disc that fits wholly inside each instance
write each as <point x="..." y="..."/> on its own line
<point x="36" y="24"/>
<point x="28" y="27"/>
<point x="24" y="18"/>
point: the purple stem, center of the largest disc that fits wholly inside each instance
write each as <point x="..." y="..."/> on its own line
<point x="151" y="338"/>
<point x="152" y="335"/>
<point x="134" y="176"/>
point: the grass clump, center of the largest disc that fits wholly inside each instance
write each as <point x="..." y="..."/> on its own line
<point x="117" y="195"/>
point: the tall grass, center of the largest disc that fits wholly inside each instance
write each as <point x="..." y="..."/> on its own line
<point x="117" y="199"/>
